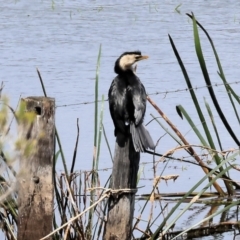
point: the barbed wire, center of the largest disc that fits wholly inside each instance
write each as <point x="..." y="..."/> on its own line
<point x="205" y="157"/>
<point x="156" y="93"/>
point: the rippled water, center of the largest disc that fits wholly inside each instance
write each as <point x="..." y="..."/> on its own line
<point x="62" y="39"/>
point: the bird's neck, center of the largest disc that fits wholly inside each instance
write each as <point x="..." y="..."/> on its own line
<point x="132" y="78"/>
<point x="128" y="75"/>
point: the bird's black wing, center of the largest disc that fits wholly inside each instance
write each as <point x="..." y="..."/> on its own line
<point x="142" y="140"/>
<point x="139" y="101"/>
<point x="117" y="104"/>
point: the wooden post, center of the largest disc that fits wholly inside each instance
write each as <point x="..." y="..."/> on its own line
<point x="35" y="179"/>
<point x="121" y="205"/>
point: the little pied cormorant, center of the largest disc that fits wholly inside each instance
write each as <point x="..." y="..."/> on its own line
<point x="127" y="102"/>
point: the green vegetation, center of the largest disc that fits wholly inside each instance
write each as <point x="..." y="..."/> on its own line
<point x="223" y="165"/>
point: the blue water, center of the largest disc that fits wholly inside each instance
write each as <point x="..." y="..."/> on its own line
<point x="62" y="39"/>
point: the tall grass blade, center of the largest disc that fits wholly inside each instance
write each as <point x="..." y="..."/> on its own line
<point x="41" y="81"/>
<point x="213" y="123"/>
<point x="221" y="73"/>
<point x="105" y="137"/>
<point x="212" y="94"/>
<point x="56" y="132"/>
<point x="96" y="98"/>
<point x="230" y="90"/>
<point x="208" y="81"/>
<point x="194" y="98"/>
<point x="231" y="100"/>
<point x="56" y="156"/>
<point x="199" y="111"/>
<point x="94" y="163"/>
<point x="62" y="153"/>
<point x="75" y="149"/>
<point x="100" y="133"/>
<point x="191" y="123"/>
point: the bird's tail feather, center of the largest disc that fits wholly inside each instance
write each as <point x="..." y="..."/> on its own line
<point x="141" y="138"/>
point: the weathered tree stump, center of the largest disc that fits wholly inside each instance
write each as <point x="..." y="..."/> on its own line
<point x="121" y="204"/>
<point x="35" y="179"/>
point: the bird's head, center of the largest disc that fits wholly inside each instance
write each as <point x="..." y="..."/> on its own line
<point x="127" y="60"/>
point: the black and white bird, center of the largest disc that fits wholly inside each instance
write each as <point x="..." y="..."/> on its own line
<point x="127" y="102"/>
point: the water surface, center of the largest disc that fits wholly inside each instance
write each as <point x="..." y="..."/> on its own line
<point x="62" y="39"/>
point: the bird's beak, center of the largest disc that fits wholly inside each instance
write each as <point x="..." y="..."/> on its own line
<point x="141" y="58"/>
